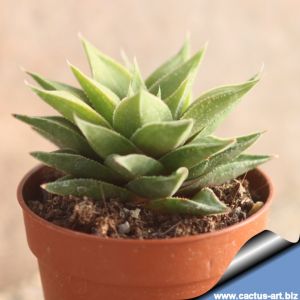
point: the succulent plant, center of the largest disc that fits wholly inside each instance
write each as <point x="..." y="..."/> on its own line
<point x="123" y="137"/>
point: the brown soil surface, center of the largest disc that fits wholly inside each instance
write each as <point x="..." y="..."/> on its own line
<point x="114" y="218"/>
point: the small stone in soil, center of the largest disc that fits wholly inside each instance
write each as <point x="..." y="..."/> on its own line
<point x="124" y="228"/>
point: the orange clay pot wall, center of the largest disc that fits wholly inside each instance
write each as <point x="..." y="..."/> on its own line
<point x="78" y="266"/>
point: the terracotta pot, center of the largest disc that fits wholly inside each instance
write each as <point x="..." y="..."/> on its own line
<point x="78" y="266"/>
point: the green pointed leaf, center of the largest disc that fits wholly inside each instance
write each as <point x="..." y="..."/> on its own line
<point x="211" y="108"/>
<point x="186" y="103"/>
<point x="137" y="83"/>
<point x="228" y="171"/>
<point x="63" y="121"/>
<point x="157" y="139"/>
<point x="235" y="149"/>
<point x="202" y="204"/>
<point x="60" y="132"/>
<point x="134" y="165"/>
<point x="126" y="61"/>
<point x="107" y="71"/>
<point x="68" y="105"/>
<point x="171" y="81"/>
<point x="207" y="197"/>
<point x="92" y="188"/>
<point x="192" y="154"/>
<point x="139" y="110"/>
<point x="66" y="177"/>
<point x="105" y="141"/>
<point x="209" y="140"/>
<point x="158" y="186"/>
<point x="159" y="93"/>
<point x="77" y="165"/>
<point x="57" y="86"/>
<point x="257" y="76"/>
<point x="177" y="101"/>
<point x="102" y="99"/>
<point x="169" y="66"/>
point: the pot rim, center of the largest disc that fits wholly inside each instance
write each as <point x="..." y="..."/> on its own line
<point x="191" y="238"/>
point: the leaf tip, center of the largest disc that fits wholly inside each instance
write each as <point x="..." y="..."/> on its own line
<point x="44" y="186"/>
<point x="32" y="87"/>
<point x="74" y="69"/>
<point x="262" y="68"/>
<point x="69" y="63"/>
<point x="205" y="46"/>
<point x="34" y="154"/>
<point x="183" y="171"/>
<point x="80" y="36"/>
<point x="22" y="69"/>
<point x="187" y="36"/>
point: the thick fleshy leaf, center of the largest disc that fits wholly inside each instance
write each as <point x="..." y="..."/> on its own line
<point x="107" y="71"/>
<point x="102" y="99"/>
<point x="203" y="203"/>
<point x="63" y="121"/>
<point x="157" y="139"/>
<point x="171" y="81"/>
<point x="134" y="165"/>
<point x="169" y="66"/>
<point x="192" y="154"/>
<point x="137" y="83"/>
<point x="77" y="166"/>
<point x="60" y="132"/>
<point x="211" y="108"/>
<point x="178" y="99"/>
<point x="208" y="197"/>
<point x="139" y="110"/>
<point x="105" y="141"/>
<point x="210" y="140"/>
<point x="68" y="105"/>
<point x="152" y="187"/>
<point x="235" y="149"/>
<point x="228" y="171"/>
<point x="57" y="86"/>
<point x="92" y="188"/>
<point x="66" y="177"/>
